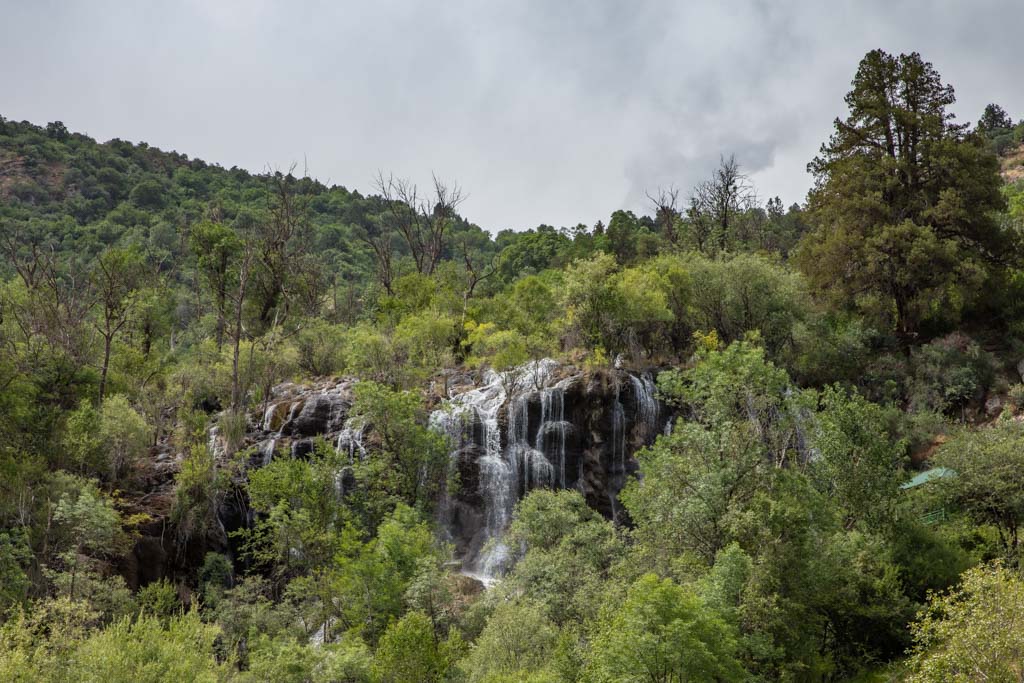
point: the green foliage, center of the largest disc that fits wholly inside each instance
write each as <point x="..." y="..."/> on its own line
<point x="543" y="518"/>
<point x="287" y="660"/>
<point x="159" y="599"/>
<point x="302" y="526"/>
<point x="215" y="573"/>
<point x="903" y="202"/>
<point x="36" y="644"/>
<point x="320" y="347"/>
<point x="570" y="554"/>
<point x="636" y="310"/>
<point x="91" y="531"/>
<point x="972" y="632"/>
<point x="108" y="441"/>
<point x="90" y="521"/>
<point x="499" y="349"/>
<point x="531" y="308"/>
<point x="948" y="374"/>
<point x="413" y="458"/>
<point x="696" y="483"/>
<point x="588" y="298"/>
<point x="517" y="643"/>
<point x="197" y="493"/>
<point x="123" y="433"/>
<point x="409" y="652"/>
<point x="15" y="555"/>
<point x="987" y="485"/>
<point x="858" y="457"/>
<point x="82" y="441"/>
<point x="662" y="632"/>
<point x="737" y="386"/>
<point x="747" y="293"/>
<point x="371" y="580"/>
<point x="144" y="649"/>
<point x="425" y="341"/>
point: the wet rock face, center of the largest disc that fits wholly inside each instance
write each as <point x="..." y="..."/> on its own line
<point x="544" y="425"/>
<point x="287" y="425"/>
<point x="295" y="414"/>
<point x="319" y="414"/>
<point x="561" y="428"/>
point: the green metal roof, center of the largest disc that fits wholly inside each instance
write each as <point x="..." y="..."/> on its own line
<point x="927" y="476"/>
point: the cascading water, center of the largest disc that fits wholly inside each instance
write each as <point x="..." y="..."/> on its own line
<point x="549" y="442"/>
<point x="268" y="417"/>
<point x="618" y="452"/>
<point x="619" y="435"/>
<point x="474" y="415"/>
<point x="214" y="443"/>
<point x="507" y="469"/>
<point x="646" y="405"/>
<point x="515" y="428"/>
<point x="350" y="440"/>
<point x="266" y="451"/>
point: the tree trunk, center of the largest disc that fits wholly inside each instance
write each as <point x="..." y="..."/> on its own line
<point x="243" y="280"/>
<point x="107" y="339"/>
<point x="235" y="388"/>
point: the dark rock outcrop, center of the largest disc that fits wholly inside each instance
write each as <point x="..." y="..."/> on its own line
<point x="560" y="428"/>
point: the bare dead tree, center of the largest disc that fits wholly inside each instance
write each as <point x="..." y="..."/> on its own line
<point x="380" y="239"/>
<point x="401" y="206"/>
<point x="245" y="268"/>
<point x="279" y="247"/>
<point x="717" y="203"/>
<point x="447" y="199"/>
<point x="423" y="222"/>
<point x="115" y="278"/>
<point x="58" y="297"/>
<point x="666" y="211"/>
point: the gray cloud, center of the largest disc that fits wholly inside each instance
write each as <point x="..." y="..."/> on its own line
<point x="545" y="112"/>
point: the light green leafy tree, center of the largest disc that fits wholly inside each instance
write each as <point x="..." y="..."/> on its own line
<point x="696" y="485"/>
<point x="409" y="652"/>
<point x="662" y="633"/>
<point x="91" y="526"/>
<point x="975" y="632"/>
<point x="107" y="441"/>
<point x="517" y="643"/>
<point x="989" y="480"/>
<point x="570" y="553"/>
<point x="146" y="651"/>
<point x="858" y="459"/>
<point x="412" y="462"/>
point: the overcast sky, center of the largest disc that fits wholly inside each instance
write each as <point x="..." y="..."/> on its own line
<point x="545" y="111"/>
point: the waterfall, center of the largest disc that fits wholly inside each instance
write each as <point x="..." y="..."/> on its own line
<point x="514" y="428"/>
<point x="512" y="466"/>
<point x="619" y="434"/>
<point x="472" y="416"/>
<point x="646" y="405"/>
<point x="350" y="440"/>
<point x="268" y="417"/>
<point x="214" y="443"/>
<point x="549" y="441"/>
<point x="266" y="451"/>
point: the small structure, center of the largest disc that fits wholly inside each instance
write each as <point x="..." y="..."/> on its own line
<point x="933" y="474"/>
<point x="927" y="476"/>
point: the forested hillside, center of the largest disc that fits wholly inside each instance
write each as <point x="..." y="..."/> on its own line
<point x="257" y="428"/>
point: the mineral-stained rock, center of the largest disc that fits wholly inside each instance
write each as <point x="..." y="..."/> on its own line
<point x="550" y="426"/>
